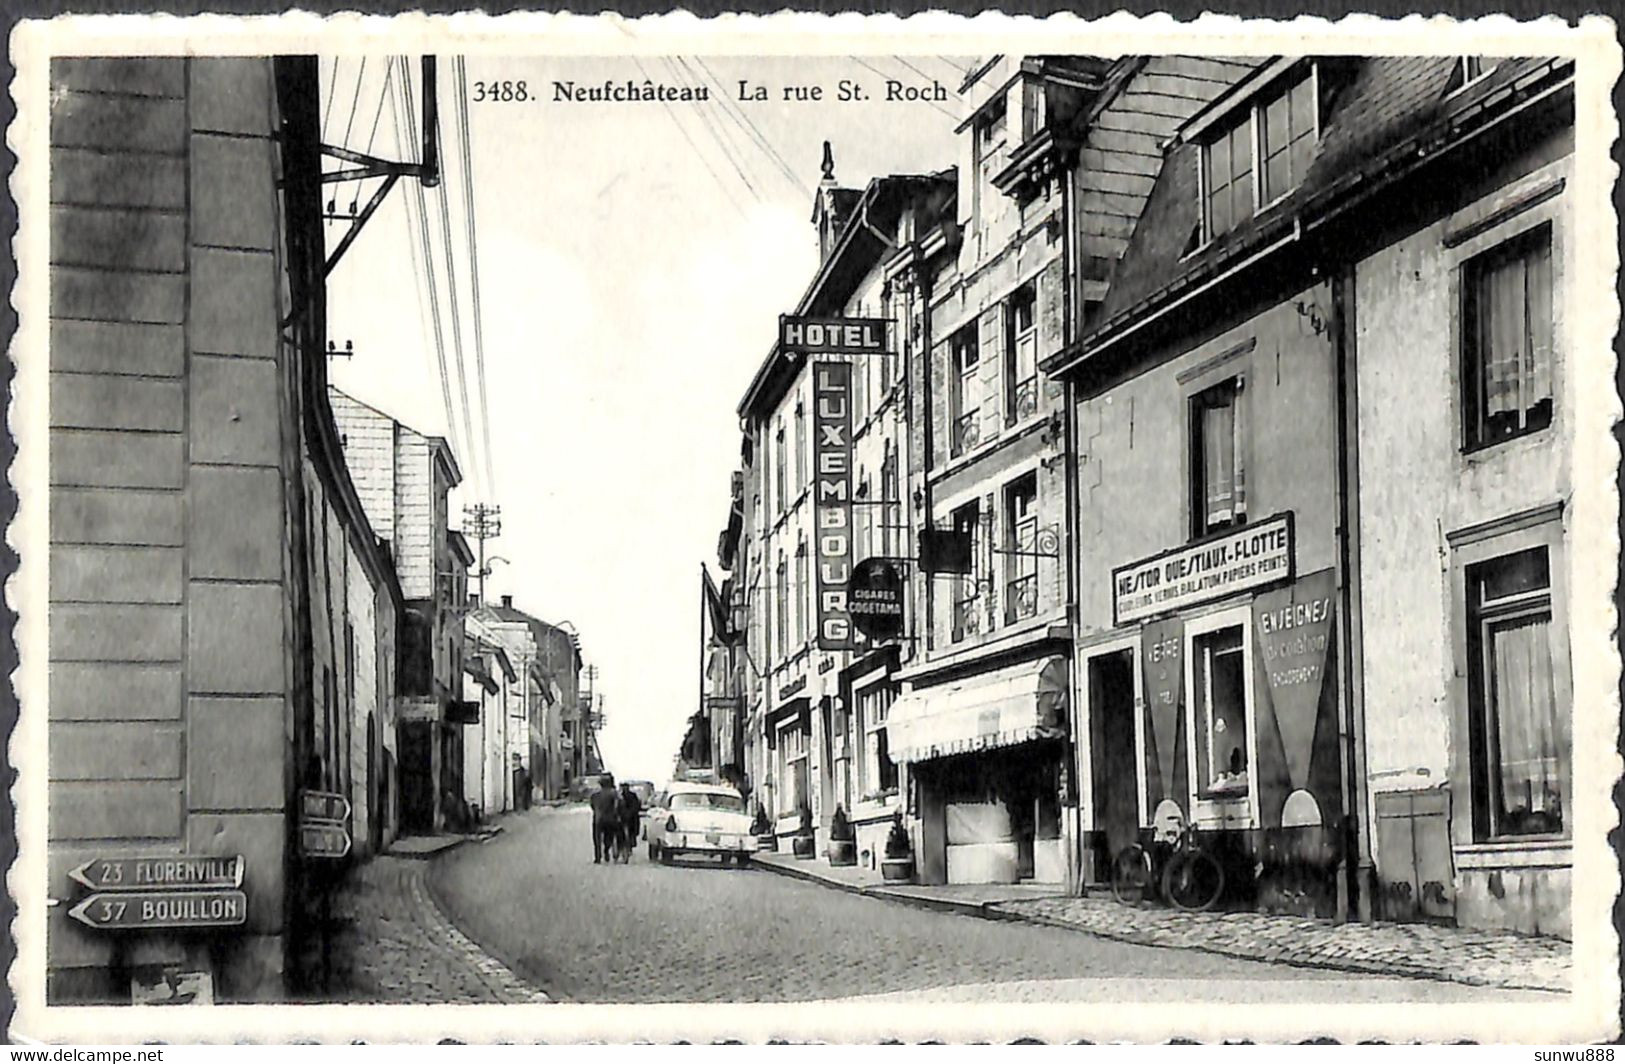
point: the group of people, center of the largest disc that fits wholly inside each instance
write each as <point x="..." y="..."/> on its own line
<point x="615" y="818"/>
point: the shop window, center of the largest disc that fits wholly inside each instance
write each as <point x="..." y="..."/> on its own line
<point x="1021" y="525"/>
<point x="877" y="775"/>
<point x="1219" y="677"/>
<point x="967" y="390"/>
<point x="1218" y="465"/>
<point x="1507" y="339"/>
<point x="1022" y="343"/>
<point x="1520" y="727"/>
<point x="967" y="599"/>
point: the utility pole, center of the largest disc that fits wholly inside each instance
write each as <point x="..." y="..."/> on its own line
<point x="486" y="523"/>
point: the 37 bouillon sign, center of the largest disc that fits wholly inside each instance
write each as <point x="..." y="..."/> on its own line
<point x="1251" y="556"/>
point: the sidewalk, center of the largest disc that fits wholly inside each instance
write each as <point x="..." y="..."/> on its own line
<point x="1427" y="951"/>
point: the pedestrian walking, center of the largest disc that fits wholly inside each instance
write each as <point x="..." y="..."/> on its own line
<point x="631" y="813"/>
<point x="606" y="823"/>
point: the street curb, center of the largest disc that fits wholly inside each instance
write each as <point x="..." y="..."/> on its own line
<point x="991" y="911"/>
<point x="433" y="892"/>
<point x="963" y="908"/>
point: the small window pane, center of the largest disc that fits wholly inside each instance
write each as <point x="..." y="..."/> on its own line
<point x="1516" y="574"/>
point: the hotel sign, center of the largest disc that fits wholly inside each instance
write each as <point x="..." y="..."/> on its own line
<point x="832" y="500"/>
<point x="847" y="336"/>
<point x="1252" y="556"/>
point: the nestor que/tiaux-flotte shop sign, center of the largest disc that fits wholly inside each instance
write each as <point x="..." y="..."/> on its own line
<point x="1252" y="556"/>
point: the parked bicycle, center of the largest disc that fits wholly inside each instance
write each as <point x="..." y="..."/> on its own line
<point x="1185" y="875"/>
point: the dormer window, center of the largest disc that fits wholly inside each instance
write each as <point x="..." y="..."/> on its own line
<point x="1469" y="68"/>
<point x="1260" y="153"/>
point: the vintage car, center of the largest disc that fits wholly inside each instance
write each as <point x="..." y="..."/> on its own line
<point x="699" y="819"/>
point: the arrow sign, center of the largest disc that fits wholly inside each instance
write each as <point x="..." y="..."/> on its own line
<point x="135" y="910"/>
<point x="170" y="870"/>
<point x="323" y="840"/>
<point x="323" y="805"/>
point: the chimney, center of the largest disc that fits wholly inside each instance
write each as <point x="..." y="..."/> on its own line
<point x="507" y="602"/>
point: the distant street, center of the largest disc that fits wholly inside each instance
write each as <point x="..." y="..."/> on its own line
<point x="700" y="932"/>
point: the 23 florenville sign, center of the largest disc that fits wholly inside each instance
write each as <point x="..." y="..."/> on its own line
<point x="832" y="500"/>
<point x="1248" y="557"/>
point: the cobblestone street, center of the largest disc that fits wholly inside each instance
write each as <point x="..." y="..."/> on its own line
<point x="700" y="932"/>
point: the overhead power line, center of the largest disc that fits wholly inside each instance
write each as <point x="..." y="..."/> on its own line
<point x="742" y="120"/>
<point x="722" y="186"/>
<point x="423" y="256"/>
<point x="474" y="270"/>
<point x="882" y="73"/>
<point x="457" y="325"/>
<point x="722" y="142"/>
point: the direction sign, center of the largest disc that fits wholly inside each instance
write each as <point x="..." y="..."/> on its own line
<point x="166" y="870"/>
<point x="323" y="840"/>
<point x="323" y="805"/>
<point x="139" y="909"/>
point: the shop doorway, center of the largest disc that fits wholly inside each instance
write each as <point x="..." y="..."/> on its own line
<point x="1112" y="754"/>
<point x="417" y="776"/>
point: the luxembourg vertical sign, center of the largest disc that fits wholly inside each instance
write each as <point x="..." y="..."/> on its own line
<point x="832" y="499"/>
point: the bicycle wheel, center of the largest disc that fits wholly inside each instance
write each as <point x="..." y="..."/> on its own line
<point x="1193" y="881"/>
<point x="1131" y="874"/>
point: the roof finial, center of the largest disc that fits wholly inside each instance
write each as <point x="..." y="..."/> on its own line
<point x="829" y="162"/>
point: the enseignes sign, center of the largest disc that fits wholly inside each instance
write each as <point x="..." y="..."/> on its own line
<point x="832" y="500"/>
<point x="1248" y="557"/>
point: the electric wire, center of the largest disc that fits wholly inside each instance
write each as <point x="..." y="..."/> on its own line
<point x="728" y="152"/>
<point x="474" y="270"/>
<point x="722" y="185"/>
<point x="422" y="256"/>
<point x="737" y="113"/>
<point x="888" y="77"/>
<point x="355" y="98"/>
<point x="903" y="60"/>
<point x="332" y="91"/>
<point x="457" y="323"/>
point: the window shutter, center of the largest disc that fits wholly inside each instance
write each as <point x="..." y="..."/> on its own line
<point x="1051" y="327"/>
<point x="991" y="370"/>
<point x="941" y="389"/>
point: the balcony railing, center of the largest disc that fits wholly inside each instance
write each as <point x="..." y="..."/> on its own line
<point x="1024" y="400"/>
<point x="1021" y="598"/>
<point x="967" y="433"/>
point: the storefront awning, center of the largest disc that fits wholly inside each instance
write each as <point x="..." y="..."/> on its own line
<point x="1012" y="705"/>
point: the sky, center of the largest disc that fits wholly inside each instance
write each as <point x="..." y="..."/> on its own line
<point x="631" y="274"/>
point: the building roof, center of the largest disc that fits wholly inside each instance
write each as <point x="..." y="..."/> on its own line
<point x="459" y="545"/>
<point x="857" y="250"/>
<point x="437" y="444"/>
<point x="1383" y="115"/>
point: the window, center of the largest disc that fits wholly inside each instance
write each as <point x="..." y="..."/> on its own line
<point x="801" y="592"/>
<point x="1227" y="178"/>
<point x="1507" y="339"/>
<point x="1218" y="468"/>
<point x="801" y="447"/>
<point x="779" y="464"/>
<point x="1468" y="69"/>
<point x="792" y="766"/>
<point x="1022" y="342"/>
<point x="1219" y="698"/>
<point x="1021" y="530"/>
<point x="1286" y="139"/>
<point x="967" y="619"/>
<point x="781" y="608"/>
<point x="891" y="511"/>
<point x="1519" y="726"/>
<point x="990" y="125"/>
<point x="967" y="390"/>
<point x="876" y="773"/>
<point x="1260" y="154"/>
